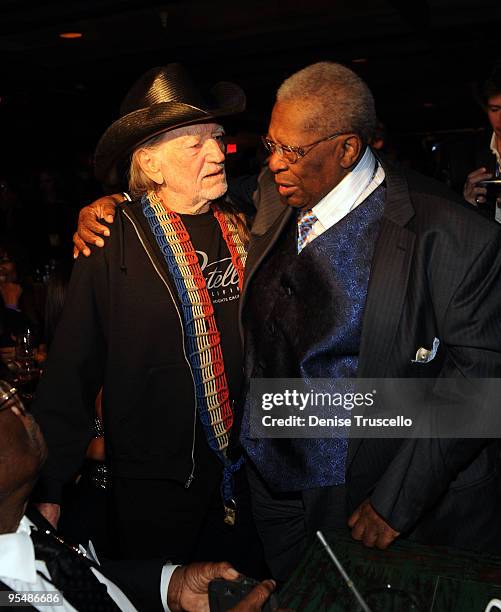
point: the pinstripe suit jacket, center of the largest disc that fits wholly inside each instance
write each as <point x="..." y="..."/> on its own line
<point x="435" y="273"/>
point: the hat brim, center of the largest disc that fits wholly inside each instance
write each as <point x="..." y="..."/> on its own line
<point x="128" y="132"/>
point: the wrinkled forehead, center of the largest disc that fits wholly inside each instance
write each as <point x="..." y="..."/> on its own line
<point x="197" y="129"/>
<point x="293" y="121"/>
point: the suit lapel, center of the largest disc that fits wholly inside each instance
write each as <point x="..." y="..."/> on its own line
<point x="387" y="284"/>
<point x="385" y="298"/>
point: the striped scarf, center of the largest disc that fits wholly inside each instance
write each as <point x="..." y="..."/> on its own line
<point x="202" y="337"/>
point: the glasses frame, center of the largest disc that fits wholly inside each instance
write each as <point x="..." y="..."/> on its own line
<point x="297" y="152"/>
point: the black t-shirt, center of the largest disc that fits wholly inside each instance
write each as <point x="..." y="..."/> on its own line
<point x="222" y="284"/>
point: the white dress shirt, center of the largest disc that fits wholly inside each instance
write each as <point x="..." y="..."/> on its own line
<point x="356" y="186"/>
<point x="495" y="151"/>
<point x="18" y="570"/>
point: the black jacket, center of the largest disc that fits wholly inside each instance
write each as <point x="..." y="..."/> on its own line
<point x="435" y="273"/>
<point x="121" y="329"/>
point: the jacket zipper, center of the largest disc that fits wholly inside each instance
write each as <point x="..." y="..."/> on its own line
<point x="192" y="474"/>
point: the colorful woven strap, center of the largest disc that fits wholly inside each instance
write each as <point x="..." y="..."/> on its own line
<point x="203" y="340"/>
<point x="235" y="245"/>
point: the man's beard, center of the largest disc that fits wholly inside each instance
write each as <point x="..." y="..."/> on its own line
<point x="215" y="191"/>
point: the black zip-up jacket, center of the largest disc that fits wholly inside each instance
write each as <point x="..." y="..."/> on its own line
<point x="121" y="329"/>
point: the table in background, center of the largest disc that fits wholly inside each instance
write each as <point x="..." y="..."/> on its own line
<point x="442" y="579"/>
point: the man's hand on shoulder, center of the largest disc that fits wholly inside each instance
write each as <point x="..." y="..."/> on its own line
<point x="89" y="230"/>
<point x="367" y="525"/>
<point x="189" y="585"/>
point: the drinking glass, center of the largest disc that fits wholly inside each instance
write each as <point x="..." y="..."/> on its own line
<point x="27" y="372"/>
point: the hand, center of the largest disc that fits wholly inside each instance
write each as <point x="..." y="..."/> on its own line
<point x="473" y="194"/>
<point x="367" y="525"/>
<point x="89" y="228"/>
<point x="255" y="599"/>
<point x="189" y="585"/>
<point x="51" y="512"/>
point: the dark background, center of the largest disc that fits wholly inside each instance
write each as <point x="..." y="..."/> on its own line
<point x="422" y="60"/>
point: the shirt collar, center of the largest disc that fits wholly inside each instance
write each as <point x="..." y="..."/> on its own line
<point x="494" y="148"/>
<point x="345" y="194"/>
<point x="17" y="554"/>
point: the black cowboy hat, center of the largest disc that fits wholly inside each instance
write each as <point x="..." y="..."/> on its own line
<point x="163" y="99"/>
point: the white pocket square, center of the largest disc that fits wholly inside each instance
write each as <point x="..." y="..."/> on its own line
<point x="424" y="355"/>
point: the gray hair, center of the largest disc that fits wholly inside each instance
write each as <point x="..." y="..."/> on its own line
<point x="335" y="99"/>
<point x="139" y="183"/>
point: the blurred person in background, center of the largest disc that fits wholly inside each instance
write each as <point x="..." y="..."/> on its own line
<point x="18" y="307"/>
<point x="51" y="213"/>
<point x="11" y="207"/>
<point x="488" y="157"/>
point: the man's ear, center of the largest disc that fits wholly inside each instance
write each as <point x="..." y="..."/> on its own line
<point x="149" y="162"/>
<point x="351" y="149"/>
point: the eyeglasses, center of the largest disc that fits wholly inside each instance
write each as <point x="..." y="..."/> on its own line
<point x="293" y="154"/>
